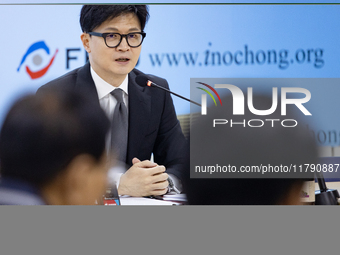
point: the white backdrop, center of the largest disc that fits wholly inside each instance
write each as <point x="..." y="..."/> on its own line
<point x="183" y="42"/>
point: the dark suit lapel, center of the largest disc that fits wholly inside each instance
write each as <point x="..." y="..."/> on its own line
<point x="139" y="116"/>
<point x="85" y="82"/>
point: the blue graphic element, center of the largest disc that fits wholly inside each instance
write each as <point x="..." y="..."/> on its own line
<point x="34" y="47"/>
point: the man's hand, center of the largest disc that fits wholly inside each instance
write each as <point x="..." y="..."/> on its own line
<point x="144" y="178"/>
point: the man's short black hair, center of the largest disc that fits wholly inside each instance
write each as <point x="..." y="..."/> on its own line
<point x="92" y="16"/>
<point x="42" y="133"/>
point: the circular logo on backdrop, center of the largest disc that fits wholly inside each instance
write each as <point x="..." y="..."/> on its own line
<point x="37" y="60"/>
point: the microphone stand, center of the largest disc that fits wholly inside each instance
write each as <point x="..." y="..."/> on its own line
<point x="160" y="87"/>
<point x="142" y="80"/>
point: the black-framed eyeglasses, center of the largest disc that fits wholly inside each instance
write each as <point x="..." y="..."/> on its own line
<point x="112" y="40"/>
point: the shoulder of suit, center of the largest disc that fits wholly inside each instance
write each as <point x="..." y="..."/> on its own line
<point x="66" y="81"/>
<point x="68" y="76"/>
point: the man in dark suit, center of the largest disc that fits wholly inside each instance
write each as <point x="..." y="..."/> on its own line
<point x="112" y="36"/>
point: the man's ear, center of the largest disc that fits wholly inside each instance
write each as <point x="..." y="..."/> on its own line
<point x="85" y="38"/>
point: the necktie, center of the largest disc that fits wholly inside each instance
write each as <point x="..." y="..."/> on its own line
<point x="119" y="130"/>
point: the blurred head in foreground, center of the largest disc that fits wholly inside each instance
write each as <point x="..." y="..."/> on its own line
<point x="243" y="145"/>
<point x="54" y="143"/>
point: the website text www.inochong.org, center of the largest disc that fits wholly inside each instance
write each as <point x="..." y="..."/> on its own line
<point x="246" y="55"/>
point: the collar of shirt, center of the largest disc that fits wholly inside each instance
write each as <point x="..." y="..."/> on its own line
<point x="104" y="88"/>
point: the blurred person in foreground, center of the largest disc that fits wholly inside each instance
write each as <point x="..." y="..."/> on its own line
<point x="52" y="150"/>
<point x="242" y="145"/>
<point x="144" y="120"/>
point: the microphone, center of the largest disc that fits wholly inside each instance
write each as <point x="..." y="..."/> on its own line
<point x="142" y="80"/>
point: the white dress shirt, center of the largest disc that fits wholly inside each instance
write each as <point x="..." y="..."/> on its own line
<point x="107" y="101"/>
<point x="108" y="104"/>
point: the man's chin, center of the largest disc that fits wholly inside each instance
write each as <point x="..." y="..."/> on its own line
<point x="123" y="70"/>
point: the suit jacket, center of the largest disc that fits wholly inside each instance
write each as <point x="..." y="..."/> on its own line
<point x="153" y="125"/>
<point x="18" y="192"/>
